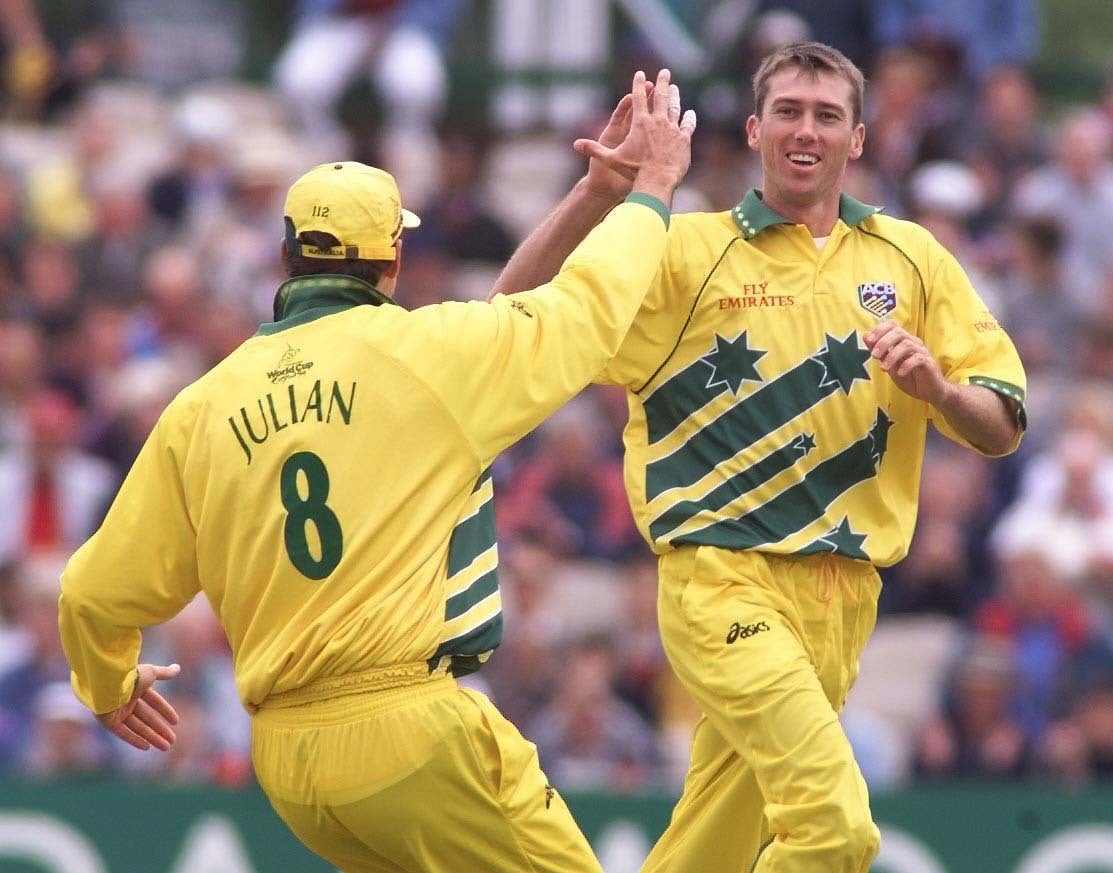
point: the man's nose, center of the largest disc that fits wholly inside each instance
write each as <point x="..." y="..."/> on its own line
<point x="805" y="130"/>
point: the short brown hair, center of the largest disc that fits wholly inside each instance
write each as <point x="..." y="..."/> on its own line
<point x="815" y="58"/>
<point x="298" y="265"/>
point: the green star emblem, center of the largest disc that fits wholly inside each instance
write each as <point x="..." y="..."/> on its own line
<point x="733" y="362"/>
<point x="879" y="436"/>
<point x="844" y="362"/>
<point x="844" y="540"/>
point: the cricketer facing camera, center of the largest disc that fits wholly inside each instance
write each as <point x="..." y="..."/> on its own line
<point x="326" y="486"/>
<point x="781" y="375"/>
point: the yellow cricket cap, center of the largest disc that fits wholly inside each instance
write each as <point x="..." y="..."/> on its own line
<point x="356" y="203"/>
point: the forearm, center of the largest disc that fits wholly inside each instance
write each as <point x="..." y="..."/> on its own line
<point x="984" y="418"/>
<point x="538" y="259"/>
<point x="102" y="657"/>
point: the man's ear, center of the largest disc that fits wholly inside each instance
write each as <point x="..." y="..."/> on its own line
<point x="391" y="272"/>
<point x="752" y="139"/>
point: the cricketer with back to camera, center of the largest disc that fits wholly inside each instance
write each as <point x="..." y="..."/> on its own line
<point x="327" y="488"/>
<point x="781" y="375"/>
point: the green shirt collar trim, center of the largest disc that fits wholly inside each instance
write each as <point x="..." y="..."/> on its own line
<point x="306" y="298"/>
<point x="752" y="215"/>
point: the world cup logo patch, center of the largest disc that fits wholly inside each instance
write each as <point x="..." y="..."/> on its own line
<point x="878" y="298"/>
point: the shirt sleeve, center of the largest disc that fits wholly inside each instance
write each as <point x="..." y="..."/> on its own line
<point x="138" y="570"/>
<point x="968" y="342"/>
<point x="666" y="308"/>
<point x="515" y="360"/>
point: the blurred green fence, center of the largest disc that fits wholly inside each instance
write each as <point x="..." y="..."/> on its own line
<point x="119" y="827"/>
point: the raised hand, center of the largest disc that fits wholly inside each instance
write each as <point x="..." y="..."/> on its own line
<point x="656" y="150"/>
<point x="146" y="719"/>
<point x="602" y="179"/>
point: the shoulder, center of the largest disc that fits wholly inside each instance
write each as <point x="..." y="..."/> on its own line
<point x="915" y="241"/>
<point x="693" y="233"/>
<point x="692" y="224"/>
<point x="899" y="231"/>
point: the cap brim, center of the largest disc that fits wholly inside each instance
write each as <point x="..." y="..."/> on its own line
<point x="410" y="219"/>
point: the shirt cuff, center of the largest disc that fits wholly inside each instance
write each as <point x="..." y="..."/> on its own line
<point x="652" y="202"/>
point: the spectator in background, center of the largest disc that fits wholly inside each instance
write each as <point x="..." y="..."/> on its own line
<point x="948" y="570"/>
<point x="1052" y="632"/>
<point x="66" y="741"/>
<point x="23" y="368"/>
<point x="461" y="245"/>
<point x="1064" y="506"/>
<point x="174" y="296"/>
<point x="130" y="405"/>
<point x="524" y="675"/>
<point x="458" y="219"/>
<point x="845" y="24"/>
<point x="13" y="232"/>
<point x="910" y="119"/>
<point x="106" y="345"/>
<point x="59" y="188"/>
<point x="1079" y="749"/>
<point x="588" y="737"/>
<point x="32" y="657"/>
<point x="1076" y="190"/>
<point x="1005" y="141"/>
<point x="50" y="287"/>
<point x="1105" y="104"/>
<point x="570" y="492"/>
<point x="1095" y="351"/>
<point x="260" y="172"/>
<point x="1039" y="314"/>
<point x="724" y="168"/>
<point x="53" y="51"/>
<point x="55" y="492"/>
<point x="193" y="189"/>
<point x="642" y="669"/>
<point x="944" y="197"/>
<point x="113" y="256"/>
<point x="52" y="300"/>
<point x="980" y="36"/>
<point x="975" y="734"/>
<point x="402" y="45"/>
<point x="28" y="61"/>
<point x="220" y="742"/>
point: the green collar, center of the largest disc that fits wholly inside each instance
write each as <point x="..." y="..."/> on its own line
<point x="752" y="215"/>
<point x="306" y="298"/>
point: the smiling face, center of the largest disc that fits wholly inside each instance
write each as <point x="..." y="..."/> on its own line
<point x="805" y="133"/>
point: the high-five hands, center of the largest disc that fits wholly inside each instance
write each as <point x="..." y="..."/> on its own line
<point x="647" y="144"/>
<point x="146" y="719"/>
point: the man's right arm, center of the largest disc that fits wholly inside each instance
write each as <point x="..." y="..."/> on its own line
<point x="541" y="254"/>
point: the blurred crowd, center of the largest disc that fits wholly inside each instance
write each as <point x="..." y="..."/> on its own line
<point x="140" y="218"/>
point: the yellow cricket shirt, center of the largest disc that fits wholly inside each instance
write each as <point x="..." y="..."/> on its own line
<point x="325" y="484"/>
<point x="758" y="419"/>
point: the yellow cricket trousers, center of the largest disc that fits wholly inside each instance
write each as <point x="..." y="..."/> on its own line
<point x="769" y="648"/>
<point x="421" y="777"/>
